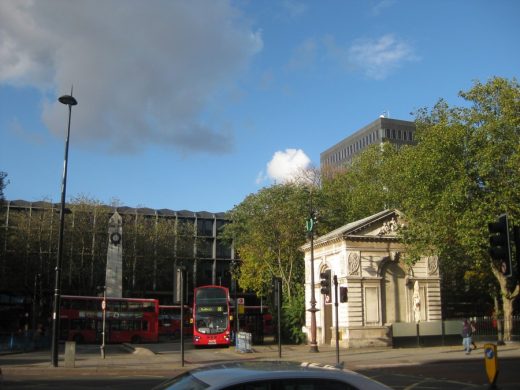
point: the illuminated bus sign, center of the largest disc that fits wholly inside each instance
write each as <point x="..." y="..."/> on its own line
<point x="211" y="309"/>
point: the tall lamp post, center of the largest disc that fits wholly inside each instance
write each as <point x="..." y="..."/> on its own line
<point x="70" y="101"/>
<point x="310" y="230"/>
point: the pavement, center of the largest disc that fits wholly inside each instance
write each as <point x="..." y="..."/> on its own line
<point x="165" y="358"/>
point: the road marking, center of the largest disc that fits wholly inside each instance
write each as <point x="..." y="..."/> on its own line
<point x="384" y="365"/>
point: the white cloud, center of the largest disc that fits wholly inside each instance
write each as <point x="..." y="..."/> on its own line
<point x="379" y="57"/>
<point x="144" y="72"/>
<point x="285" y="166"/>
<point x="376" y="58"/>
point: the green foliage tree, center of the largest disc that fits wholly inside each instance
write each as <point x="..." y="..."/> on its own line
<point x="463" y="172"/>
<point x="268" y="229"/>
<point x="362" y="188"/>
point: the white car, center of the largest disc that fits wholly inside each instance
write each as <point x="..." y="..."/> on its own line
<point x="270" y="375"/>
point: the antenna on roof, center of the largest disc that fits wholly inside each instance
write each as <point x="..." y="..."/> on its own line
<point x="385" y="114"/>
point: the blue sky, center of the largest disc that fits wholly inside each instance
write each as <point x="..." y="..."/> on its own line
<point x="196" y="104"/>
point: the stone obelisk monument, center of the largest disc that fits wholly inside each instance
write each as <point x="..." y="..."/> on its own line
<point x="114" y="273"/>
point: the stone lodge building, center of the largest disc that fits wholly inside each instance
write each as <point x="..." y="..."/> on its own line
<point x="368" y="258"/>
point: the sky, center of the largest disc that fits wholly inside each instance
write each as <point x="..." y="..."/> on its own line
<point x="194" y="105"/>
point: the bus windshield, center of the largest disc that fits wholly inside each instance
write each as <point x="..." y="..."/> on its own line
<point x="211" y="319"/>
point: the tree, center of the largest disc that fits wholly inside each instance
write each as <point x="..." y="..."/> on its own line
<point x="465" y="171"/>
<point x="3" y="183"/>
<point x="268" y="230"/>
<point x="362" y="188"/>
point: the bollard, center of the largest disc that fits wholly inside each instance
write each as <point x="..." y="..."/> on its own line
<point x="70" y="354"/>
<point x="491" y="362"/>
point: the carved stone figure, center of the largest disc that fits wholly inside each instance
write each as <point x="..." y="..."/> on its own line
<point x="416" y="302"/>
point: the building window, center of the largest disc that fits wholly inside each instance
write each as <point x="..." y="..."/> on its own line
<point x="393" y="133"/>
<point x="205" y="248"/>
<point x="205" y="227"/>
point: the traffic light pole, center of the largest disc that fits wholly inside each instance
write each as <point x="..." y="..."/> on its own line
<point x="337" y="319"/>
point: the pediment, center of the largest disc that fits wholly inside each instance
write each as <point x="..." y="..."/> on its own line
<point x="383" y="225"/>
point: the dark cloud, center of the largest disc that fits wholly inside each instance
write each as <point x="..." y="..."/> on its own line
<point x="144" y="72"/>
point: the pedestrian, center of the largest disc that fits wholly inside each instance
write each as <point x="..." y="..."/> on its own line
<point x="466" y="336"/>
<point x="473" y="332"/>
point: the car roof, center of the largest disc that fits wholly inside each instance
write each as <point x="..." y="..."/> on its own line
<point x="227" y="374"/>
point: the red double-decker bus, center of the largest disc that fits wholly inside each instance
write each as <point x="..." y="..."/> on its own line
<point x="131" y="320"/>
<point x="211" y="325"/>
<point x="170" y="321"/>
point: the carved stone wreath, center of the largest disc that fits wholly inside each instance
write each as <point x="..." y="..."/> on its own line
<point x="353" y="263"/>
<point x="433" y="265"/>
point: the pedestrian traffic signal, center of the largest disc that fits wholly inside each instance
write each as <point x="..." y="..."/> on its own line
<point x="500" y="245"/>
<point x="343" y="294"/>
<point x="325" y="282"/>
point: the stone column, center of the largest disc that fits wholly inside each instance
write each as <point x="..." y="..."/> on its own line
<point x="114" y="272"/>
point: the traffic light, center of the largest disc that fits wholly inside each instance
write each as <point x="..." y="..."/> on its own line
<point x="499" y="244"/>
<point x="343" y="294"/>
<point x="325" y="282"/>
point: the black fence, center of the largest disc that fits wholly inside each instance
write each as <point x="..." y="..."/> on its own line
<point x="448" y="332"/>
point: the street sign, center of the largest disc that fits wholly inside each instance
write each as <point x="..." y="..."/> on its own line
<point x="241" y="302"/>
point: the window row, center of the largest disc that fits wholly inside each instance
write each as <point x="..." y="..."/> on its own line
<point x="353" y="148"/>
<point x="404" y="135"/>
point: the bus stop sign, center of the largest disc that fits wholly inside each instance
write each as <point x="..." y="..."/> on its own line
<point x="240" y="302"/>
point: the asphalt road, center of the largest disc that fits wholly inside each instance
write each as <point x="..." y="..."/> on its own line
<point x="452" y="370"/>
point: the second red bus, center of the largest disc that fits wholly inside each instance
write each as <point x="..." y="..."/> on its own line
<point x="127" y="320"/>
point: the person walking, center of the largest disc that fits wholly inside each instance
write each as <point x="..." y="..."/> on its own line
<point x="466" y="336"/>
<point x="473" y="332"/>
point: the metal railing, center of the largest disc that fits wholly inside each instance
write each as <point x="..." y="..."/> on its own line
<point x="22" y="341"/>
<point x="488" y="326"/>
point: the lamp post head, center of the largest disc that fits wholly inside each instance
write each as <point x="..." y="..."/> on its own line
<point x="68" y="99"/>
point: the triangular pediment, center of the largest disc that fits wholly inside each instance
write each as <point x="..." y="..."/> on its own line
<point x="383" y="225"/>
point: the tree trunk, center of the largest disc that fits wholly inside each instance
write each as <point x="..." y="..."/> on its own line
<point x="507" y="304"/>
<point x="498" y="318"/>
<point x="508" y="298"/>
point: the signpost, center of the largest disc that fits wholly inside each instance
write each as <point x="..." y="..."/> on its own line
<point x="104" y="309"/>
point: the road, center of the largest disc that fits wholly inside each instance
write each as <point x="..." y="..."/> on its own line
<point x="410" y="368"/>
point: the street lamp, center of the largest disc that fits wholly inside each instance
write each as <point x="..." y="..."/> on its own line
<point x="70" y="101"/>
<point x="310" y="230"/>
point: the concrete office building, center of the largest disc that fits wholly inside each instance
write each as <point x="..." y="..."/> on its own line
<point x="381" y="130"/>
<point x="153" y="243"/>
